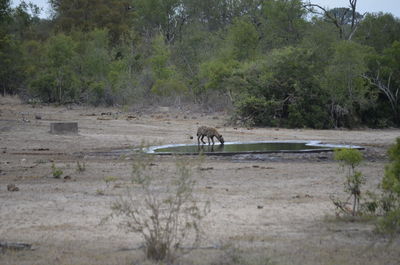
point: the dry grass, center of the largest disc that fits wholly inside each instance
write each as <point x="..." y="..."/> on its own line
<point x="268" y="210"/>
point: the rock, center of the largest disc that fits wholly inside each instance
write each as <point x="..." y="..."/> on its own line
<point x="12" y="187"/>
<point x="163" y="109"/>
<point x="206" y="168"/>
<point x="14" y="246"/>
<point x="38" y="116"/>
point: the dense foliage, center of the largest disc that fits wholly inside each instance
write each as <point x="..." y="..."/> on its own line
<point x="270" y="62"/>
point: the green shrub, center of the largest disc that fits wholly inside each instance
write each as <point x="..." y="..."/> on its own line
<point x="350" y="159"/>
<point x="391" y="186"/>
<point x="57" y="172"/>
<point x="258" y="111"/>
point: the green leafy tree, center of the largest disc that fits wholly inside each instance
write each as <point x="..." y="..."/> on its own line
<point x="215" y="77"/>
<point x="283" y="23"/>
<point x="343" y="81"/>
<point x="12" y="61"/>
<point x="216" y="15"/>
<point x="285" y="82"/>
<point x="196" y="46"/>
<point x="117" y="16"/>
<point x="5" y="9"/>
<point x="12" y="64"/>
<point x="167" y="81"/>
<point x="243" y="37"/>
<point x="57" y="78"/>
<point x="384" y="75"/>
<point x="93" y="61"/>
<point x="25" y="21"/>
<point x="378" y="30"/>
<point x="161" y="15"/>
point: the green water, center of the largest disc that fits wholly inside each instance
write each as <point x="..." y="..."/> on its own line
<point x="240" y="148"/>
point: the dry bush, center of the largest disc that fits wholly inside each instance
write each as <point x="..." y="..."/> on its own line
<point x="166" y="215"/>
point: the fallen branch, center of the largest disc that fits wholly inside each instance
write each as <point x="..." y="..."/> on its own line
<point x="14" y="246"/>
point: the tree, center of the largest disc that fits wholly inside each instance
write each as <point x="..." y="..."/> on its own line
<point x="280" y="90"/>
<point x="385" y="76"/>
<point x="378" y="31"/>
<point x="343" y="81"/>
<point x="11" y="66"/>
<point x="243" y="37"/>
<point x="216" y="15"/>
<point x="5" y="10"/>
<point x="25" y="20"/>
<point x="215" y="77"/>
<point x="166" y="80"/>
<point x="346" y="20"/>
<point x="283" y="23"/>
<point x="161" y="16"/>
<point x="117" y="16"/>
<point x="57" y="79"/>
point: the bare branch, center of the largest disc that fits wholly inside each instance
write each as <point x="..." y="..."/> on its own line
<point x="339" y="20"/>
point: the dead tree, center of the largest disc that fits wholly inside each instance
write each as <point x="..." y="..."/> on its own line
<point x="346" y="20"/>
<point x="384" y="84"/>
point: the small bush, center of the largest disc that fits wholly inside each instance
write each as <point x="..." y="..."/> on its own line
<point x="390" y="201"/>
<point x="235" y="256"/>
<point x="110" y="179"/>
<point x="80" y="167"/>
<point x="258" y="111"/>
<point x="57" y="172"/>
<point x="165" y="215"/>
<point x="350" y="159"/>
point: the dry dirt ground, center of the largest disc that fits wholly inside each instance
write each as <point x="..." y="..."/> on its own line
<point x="270" y="209"/>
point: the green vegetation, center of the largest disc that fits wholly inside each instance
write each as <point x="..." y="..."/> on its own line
<point x="350" y="159"/>
<point x="110" y="179"/>
<point x="384" y="207"/>
<point x="390" y="201"/>
<point x="56" y="172"/>
<point x="269" y="62"/>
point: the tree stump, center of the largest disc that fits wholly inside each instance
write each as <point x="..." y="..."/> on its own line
<point x="64" y="127"/>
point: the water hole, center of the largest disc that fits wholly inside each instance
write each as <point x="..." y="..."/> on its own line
<point x="233" y="148"/>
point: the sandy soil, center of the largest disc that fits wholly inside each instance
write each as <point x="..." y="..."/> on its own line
<point x="269" y="208"/>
